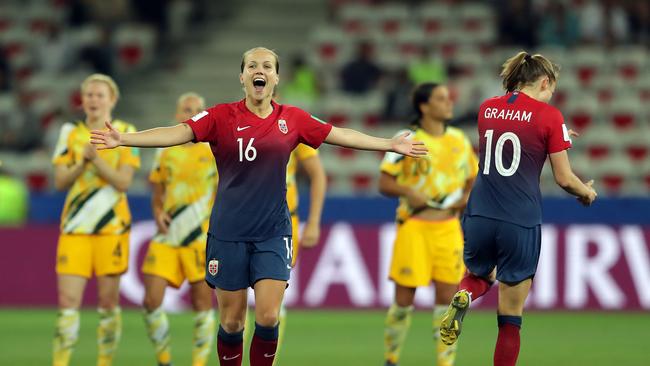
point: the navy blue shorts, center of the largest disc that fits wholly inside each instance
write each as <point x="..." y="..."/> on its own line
<point x="512" y="249"/>
<point x="232" y="265"/>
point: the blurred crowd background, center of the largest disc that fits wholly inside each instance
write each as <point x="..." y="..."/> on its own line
<point x="353" y="63"/>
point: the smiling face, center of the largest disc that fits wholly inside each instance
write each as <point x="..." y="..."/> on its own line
<point x="259" y="75"/>
<point x="97" y="100"/>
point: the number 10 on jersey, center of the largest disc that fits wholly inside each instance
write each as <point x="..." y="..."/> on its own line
<point x="498" y="153"/>
<point x="250" y="153"/>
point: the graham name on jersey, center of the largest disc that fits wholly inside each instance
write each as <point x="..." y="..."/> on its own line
<point x="509" y="114"/>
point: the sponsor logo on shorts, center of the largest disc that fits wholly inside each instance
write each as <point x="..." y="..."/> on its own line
<point x="213" y="267"/>
<point x="282" y="125"/>
<point x="406" y="271"/>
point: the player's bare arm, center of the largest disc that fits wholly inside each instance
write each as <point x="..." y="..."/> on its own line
<point x="317" y="188"/>
<point x="119" y="178"/>
<point x="157" y="199"/>
<point x="154" y="137"/>
<point x="565" y="178"/>
<point x="460" y="205"/>
<point x="65" y="175"/>
<point x="357" y="140"/>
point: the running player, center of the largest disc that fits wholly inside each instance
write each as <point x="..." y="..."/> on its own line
<point x="502" y="223"/>
<point x="184" y="180"/>
<point x="95" y="222"/>
<point x="432" y="191"/>
<point x="249" y="241"/>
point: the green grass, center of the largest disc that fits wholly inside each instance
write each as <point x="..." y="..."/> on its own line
<point x="341" y="338"/>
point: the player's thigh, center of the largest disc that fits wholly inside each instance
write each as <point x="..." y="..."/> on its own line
<point x="232" y="309"/>
<point x="192" y="261"/>
<point x="445" y="243"/>
<point x="479" y="250"/>
<point x="519" y="249"/>
<point x="270" y="259"/>
<point x="200" y="295"/>
<point x="513" y="297"/>
<point x="411" y="263"/>
<point x="268" y="300"/>
<point x="227" y="264"/>
<point x="108" y="291"/>
<point x="163" y="261"/>
<point x="111" y="254"/>
<point x="74" y="255"/>
<point x="70" y="290"/>
<point x="295" y="240"/>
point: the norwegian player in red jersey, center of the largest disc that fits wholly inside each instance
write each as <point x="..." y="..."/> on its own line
<point x="502" y="222"/>
<point x="249" y="241"/>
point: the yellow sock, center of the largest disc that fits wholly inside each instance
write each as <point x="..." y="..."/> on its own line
<point x="157" y="326"/>
<point x="445" y="354"/>
<point x="108" y="335"/>
<point x="204" y="329"/>
<point x="282" y="325"/>
<point x="67" y="333"/>
<point x="398" y="321"/>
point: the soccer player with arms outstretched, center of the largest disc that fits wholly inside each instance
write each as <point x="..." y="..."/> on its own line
<point x="95" y="222"/>
<point x="184" y="179"/>
<point x="432" y="191"/>
<point x="502" y="222"/>
<point x="249" y="240"/>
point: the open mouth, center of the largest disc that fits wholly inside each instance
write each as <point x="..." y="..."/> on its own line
<point x="259" y="84"/>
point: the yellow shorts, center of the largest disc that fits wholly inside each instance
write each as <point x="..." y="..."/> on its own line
<point x="295" y="238"/>
<point x="428" y="251"/>
<point x="175" y="264"/>
<point x="84" y="255"/>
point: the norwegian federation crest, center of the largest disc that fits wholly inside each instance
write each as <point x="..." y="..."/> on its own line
<point x="213" y="267"/>
<point x="282" y="125"/>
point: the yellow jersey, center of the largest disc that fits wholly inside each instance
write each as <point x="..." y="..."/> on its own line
<point x="440" y="175"/>
<point x="92" y="205"/>
<point x="301" y="152"/>
<point x="189" y="174"/>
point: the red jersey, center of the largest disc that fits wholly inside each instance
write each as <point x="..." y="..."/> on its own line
<point x="251" y="155"/>
<point x="516" y="134"/>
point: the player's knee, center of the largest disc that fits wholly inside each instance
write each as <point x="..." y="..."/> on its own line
<point x="232" y="325"/>
<point x="69" y="300"/>
<point x="107" y="302"/>
<point x="267" y="318"/>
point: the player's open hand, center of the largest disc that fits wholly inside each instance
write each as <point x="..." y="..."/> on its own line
<point x="106" y="139"/>
<point x="162" y="221"/>
<point x="405" y="146"/>
<point x="591" y="197"/>
<point x="310" y="235"/>
<point x="572" y="133"/>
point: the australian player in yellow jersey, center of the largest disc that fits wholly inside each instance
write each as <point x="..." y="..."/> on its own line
<point x="95" y="222"/>
<point x="432" y="191"/>
<point x="184" y="179"/>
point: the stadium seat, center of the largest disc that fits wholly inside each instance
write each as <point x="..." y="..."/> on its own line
<point x="581" y="110"/>
<point x="135" y="45"/>
<point x="630" y="61"/>
<point x="434" y="17"/>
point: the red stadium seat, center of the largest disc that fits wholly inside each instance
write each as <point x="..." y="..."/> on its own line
<point x="338" y="119"/>
<point x="345" y="153"/>
<point x="613" y="183"/>
<point x="637" y="152"/>
<point x="361" y="182"/>
<point x="597" y="152"/>
<point x="328" y="51"/>
<point x="37" y="181"/>
<point x="130" y="54"/>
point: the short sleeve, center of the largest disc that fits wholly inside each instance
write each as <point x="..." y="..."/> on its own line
<point x="304" y="152"/>
<point x="204" y="125"/>
<point x="557" y="134"/>
<point x="312" y="131"/>
<point x="130" y="155"/>
<point x="392" y="162"/>
<point x="157" y="175"/>
<point x="63" y="154"/>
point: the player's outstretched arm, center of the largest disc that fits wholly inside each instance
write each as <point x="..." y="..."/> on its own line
<point x="356" y="140"/>
<point x="565" y="178"/>
<point x="155" y="137"/>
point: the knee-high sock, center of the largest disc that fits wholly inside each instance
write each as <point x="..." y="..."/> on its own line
<point x="507" y="348"/>
<point x="204" y="329"/>
<point x="158" y="330"/>
<point x="398" y="322"/>
<point x="230" y="347"/>
<point x="264" y="345"/>
<point x="109" y="332"/>
<point x="282" y="326"/>
<point x="476" y="286"/>
<point x="65" y="337"/>
<point x="446" y="355"/>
